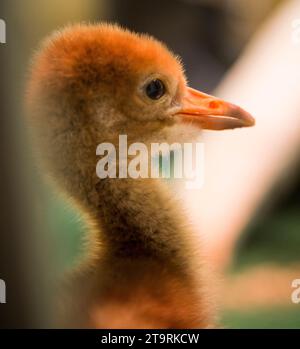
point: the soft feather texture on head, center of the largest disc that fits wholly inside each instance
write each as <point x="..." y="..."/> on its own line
<point x="86" y="87"/>
<point x="106" y="63"/>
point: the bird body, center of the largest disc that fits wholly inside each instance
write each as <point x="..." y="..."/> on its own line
<point x="89" y="84"/>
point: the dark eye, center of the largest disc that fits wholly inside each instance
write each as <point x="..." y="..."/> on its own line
<point x="155" y="89"/>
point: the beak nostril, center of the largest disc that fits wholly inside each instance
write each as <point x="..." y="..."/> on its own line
<point x="213" y="104"/>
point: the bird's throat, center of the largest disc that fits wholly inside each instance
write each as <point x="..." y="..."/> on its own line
<point x="139" y="218"/>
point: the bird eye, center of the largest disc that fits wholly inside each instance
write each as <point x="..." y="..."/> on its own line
<point x="155" y="89"/>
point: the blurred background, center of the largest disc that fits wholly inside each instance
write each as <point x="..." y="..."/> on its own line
<point x="247" y="214"/>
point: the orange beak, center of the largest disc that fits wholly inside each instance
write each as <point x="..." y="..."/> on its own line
<point x="212" y="113"/>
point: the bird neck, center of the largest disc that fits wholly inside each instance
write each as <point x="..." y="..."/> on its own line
<point x="139" y="219"/>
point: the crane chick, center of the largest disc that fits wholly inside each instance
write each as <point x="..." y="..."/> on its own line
<point x="89" y="84"/>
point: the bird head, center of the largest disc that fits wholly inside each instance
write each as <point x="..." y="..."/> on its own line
<point x="91" y="83"/>
<point x="122" y="82"/>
